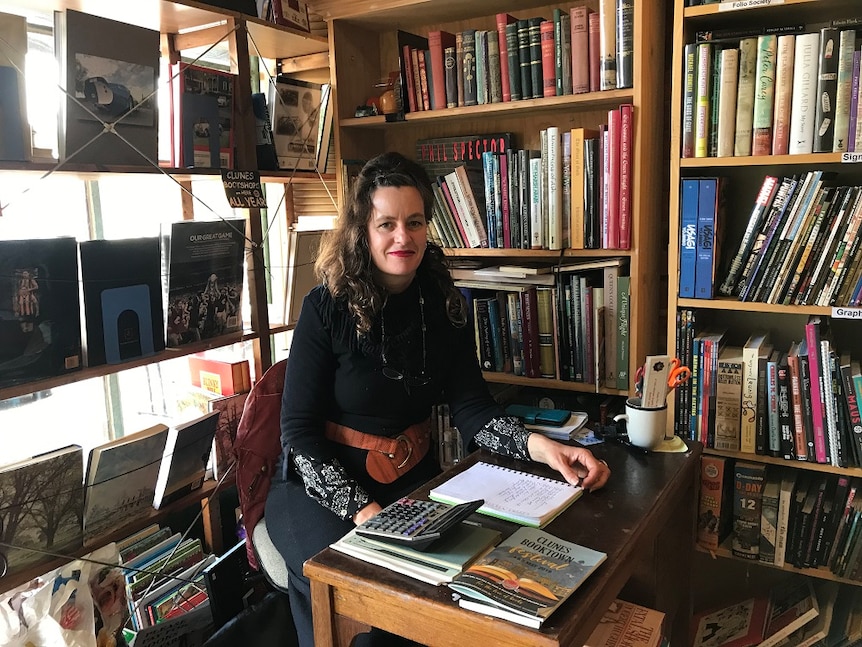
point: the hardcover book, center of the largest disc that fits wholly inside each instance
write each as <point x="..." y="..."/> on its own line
<point x="220" y="376"/>
<point x="804" y="93"/>
<point x="294" y="106"/>
<point x="41" y="505"/>
<point x="526" y="577"/>
<point x="121" y="480"/>
<point x="230" y="411"/>
<point x="204" y="118"/>
<point x="122" y="289"/>
<point x="40" y="325"/>
<point x="205" y="279"/>
<point x="109" y="71"/>
<point x="747" y="506"/>
<point x="791" y="605"/>
<point x="714" y="508"/>
<point x="184" y="461"/>
<point x="728" y="398"/>
<point x="740" y="624"/>
<point x="745" y="96"/>
<point x="827" y="86"/>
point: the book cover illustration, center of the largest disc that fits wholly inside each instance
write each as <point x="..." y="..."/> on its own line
<point x="121" y="480"/>
<point x="40" y="326"/>
<point x="529" y="574"/>
<point x="627" y="625"/>
<point x="736" y="625"/>
<point x="294" y="106"/>
<point x="205" y="279"/>
<point x="230" y="411"/>
<point x="122" y="299"/>
<point x="206" y="117"/>
<point x="41" y="506"/>
<point x="184" y="462"/>
<point x="109" y="70"/>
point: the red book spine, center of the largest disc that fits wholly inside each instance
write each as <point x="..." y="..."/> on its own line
<point x="407" y="62"/>
<point x="438" y="41"/>
<point x="504" y="19"/>
<point x="626" y="122"/>
<point x="530" y="319"/>
<point x="812" y="336"/>
<point x="549" y="71"/>
<point x="593" y="30"/>
<point x="579" y="18"/>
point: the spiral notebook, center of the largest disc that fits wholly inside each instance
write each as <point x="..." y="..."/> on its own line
<point x="513" y="495"/>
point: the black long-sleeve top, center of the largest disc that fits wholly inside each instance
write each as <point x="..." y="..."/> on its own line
<point x="333" y="374"/>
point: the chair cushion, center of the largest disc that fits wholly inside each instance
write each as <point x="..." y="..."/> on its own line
<point x="268" y="557"/>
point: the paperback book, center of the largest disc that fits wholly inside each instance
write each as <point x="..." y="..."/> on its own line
<point x="294" y="106"/>
<point x="527" y="577"/>
<point x="184" y="462"/>
<point x="205" y="279"/>
<point x="41" y="503"/>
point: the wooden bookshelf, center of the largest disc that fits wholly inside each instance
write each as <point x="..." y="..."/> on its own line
<point x="363" y="48"/>
<point x="744" y="176"/>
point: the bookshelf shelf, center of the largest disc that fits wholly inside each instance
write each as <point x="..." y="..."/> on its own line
<point x="747" y="306"/>
<point x="547" y="383"/>
<point x="757" y="8"/>
<point x="596" y="100"/>
<point x="771" y="460"/>
<point x="813" y="159"/>
<point x="725" y="552"/>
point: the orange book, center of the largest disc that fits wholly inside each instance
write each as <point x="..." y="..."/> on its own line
<point x="714" y="508"/>
<point x="549" y="73"/>
<point x="219" y="376"/>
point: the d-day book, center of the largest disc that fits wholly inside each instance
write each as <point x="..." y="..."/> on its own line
<point x="521" y="497"/>
<point x="526" y="577"/>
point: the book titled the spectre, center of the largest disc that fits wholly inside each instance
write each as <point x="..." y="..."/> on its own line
<point x="526" y="577"/>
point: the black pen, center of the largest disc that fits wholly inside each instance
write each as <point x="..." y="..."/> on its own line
<point x="634" y="449"/>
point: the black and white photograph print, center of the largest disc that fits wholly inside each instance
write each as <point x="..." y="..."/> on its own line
<point x="111" y="88"/>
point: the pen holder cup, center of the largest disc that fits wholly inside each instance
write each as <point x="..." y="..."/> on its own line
<point x="645" y="427"/>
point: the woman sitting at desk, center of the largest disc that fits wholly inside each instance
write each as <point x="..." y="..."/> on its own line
<point x="383" y="339"/>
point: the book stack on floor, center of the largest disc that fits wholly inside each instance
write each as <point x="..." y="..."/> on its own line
<point x="567" y="322"/>
<point x="750" y="91"/>
<point x="781" y="516"/>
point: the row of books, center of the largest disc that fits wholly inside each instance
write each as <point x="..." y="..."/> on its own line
<point x="576" y="50"/>
<point x="798" y="404"/>
<point x="792" y="612"/>
<point x="781" y="515"/>
<point x="799" y="247"/>
<point x="51" y="503"/>
<point x="790" y="90"/>
<point x="572" y="192"/>
<point x="121" y="285"/>
<point x="571" y="324"/>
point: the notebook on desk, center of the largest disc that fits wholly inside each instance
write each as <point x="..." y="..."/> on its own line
<point x="513" y="495"/>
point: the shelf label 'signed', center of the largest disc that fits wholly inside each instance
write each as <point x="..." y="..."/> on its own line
<point x="747" y="4"/>
<point x="847" y="313"/>
<point x="851" y="158"/>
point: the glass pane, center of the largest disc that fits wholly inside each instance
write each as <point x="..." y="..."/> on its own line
<point x="34" y="207"/>
<point x="53" y="418"/>
<point x="43" y="96"/>
<point x="137" y="205"/>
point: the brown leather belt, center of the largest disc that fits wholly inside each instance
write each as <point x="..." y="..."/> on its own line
<point x="388" y="458"/>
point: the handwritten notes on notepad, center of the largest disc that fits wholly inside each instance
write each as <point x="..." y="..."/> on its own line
<point x="509" y="494"/>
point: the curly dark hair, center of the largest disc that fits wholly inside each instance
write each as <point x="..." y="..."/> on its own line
<point x="344" y="262"/>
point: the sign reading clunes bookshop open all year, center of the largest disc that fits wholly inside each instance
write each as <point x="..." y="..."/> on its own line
<point x="243" y="189"/>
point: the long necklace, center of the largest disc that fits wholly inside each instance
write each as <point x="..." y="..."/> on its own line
<point x="402" y="376"/>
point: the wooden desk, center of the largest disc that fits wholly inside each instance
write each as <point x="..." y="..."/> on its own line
<point x="644" y="520"/>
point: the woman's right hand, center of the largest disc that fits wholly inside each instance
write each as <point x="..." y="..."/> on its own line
<point x="366" y="513"/>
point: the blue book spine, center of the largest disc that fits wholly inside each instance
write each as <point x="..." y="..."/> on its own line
<point x="706" y="212"/>
<point x="496" y="334"/>
<point x="688" y="238"/>
<point x="490" y="210"/>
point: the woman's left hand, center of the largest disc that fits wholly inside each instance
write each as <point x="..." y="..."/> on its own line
<point x="576" y="464"/>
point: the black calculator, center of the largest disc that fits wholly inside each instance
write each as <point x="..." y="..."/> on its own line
<point x="416" y="523"/>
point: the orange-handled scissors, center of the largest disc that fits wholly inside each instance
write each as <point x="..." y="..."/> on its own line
<point x="678" y="375"/>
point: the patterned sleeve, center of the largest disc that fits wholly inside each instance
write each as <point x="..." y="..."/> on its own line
<point x="328" y="484"/>
<point x="506" y="436"/>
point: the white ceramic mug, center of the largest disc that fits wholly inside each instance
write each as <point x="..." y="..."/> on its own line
<point x="645" y="427"/>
